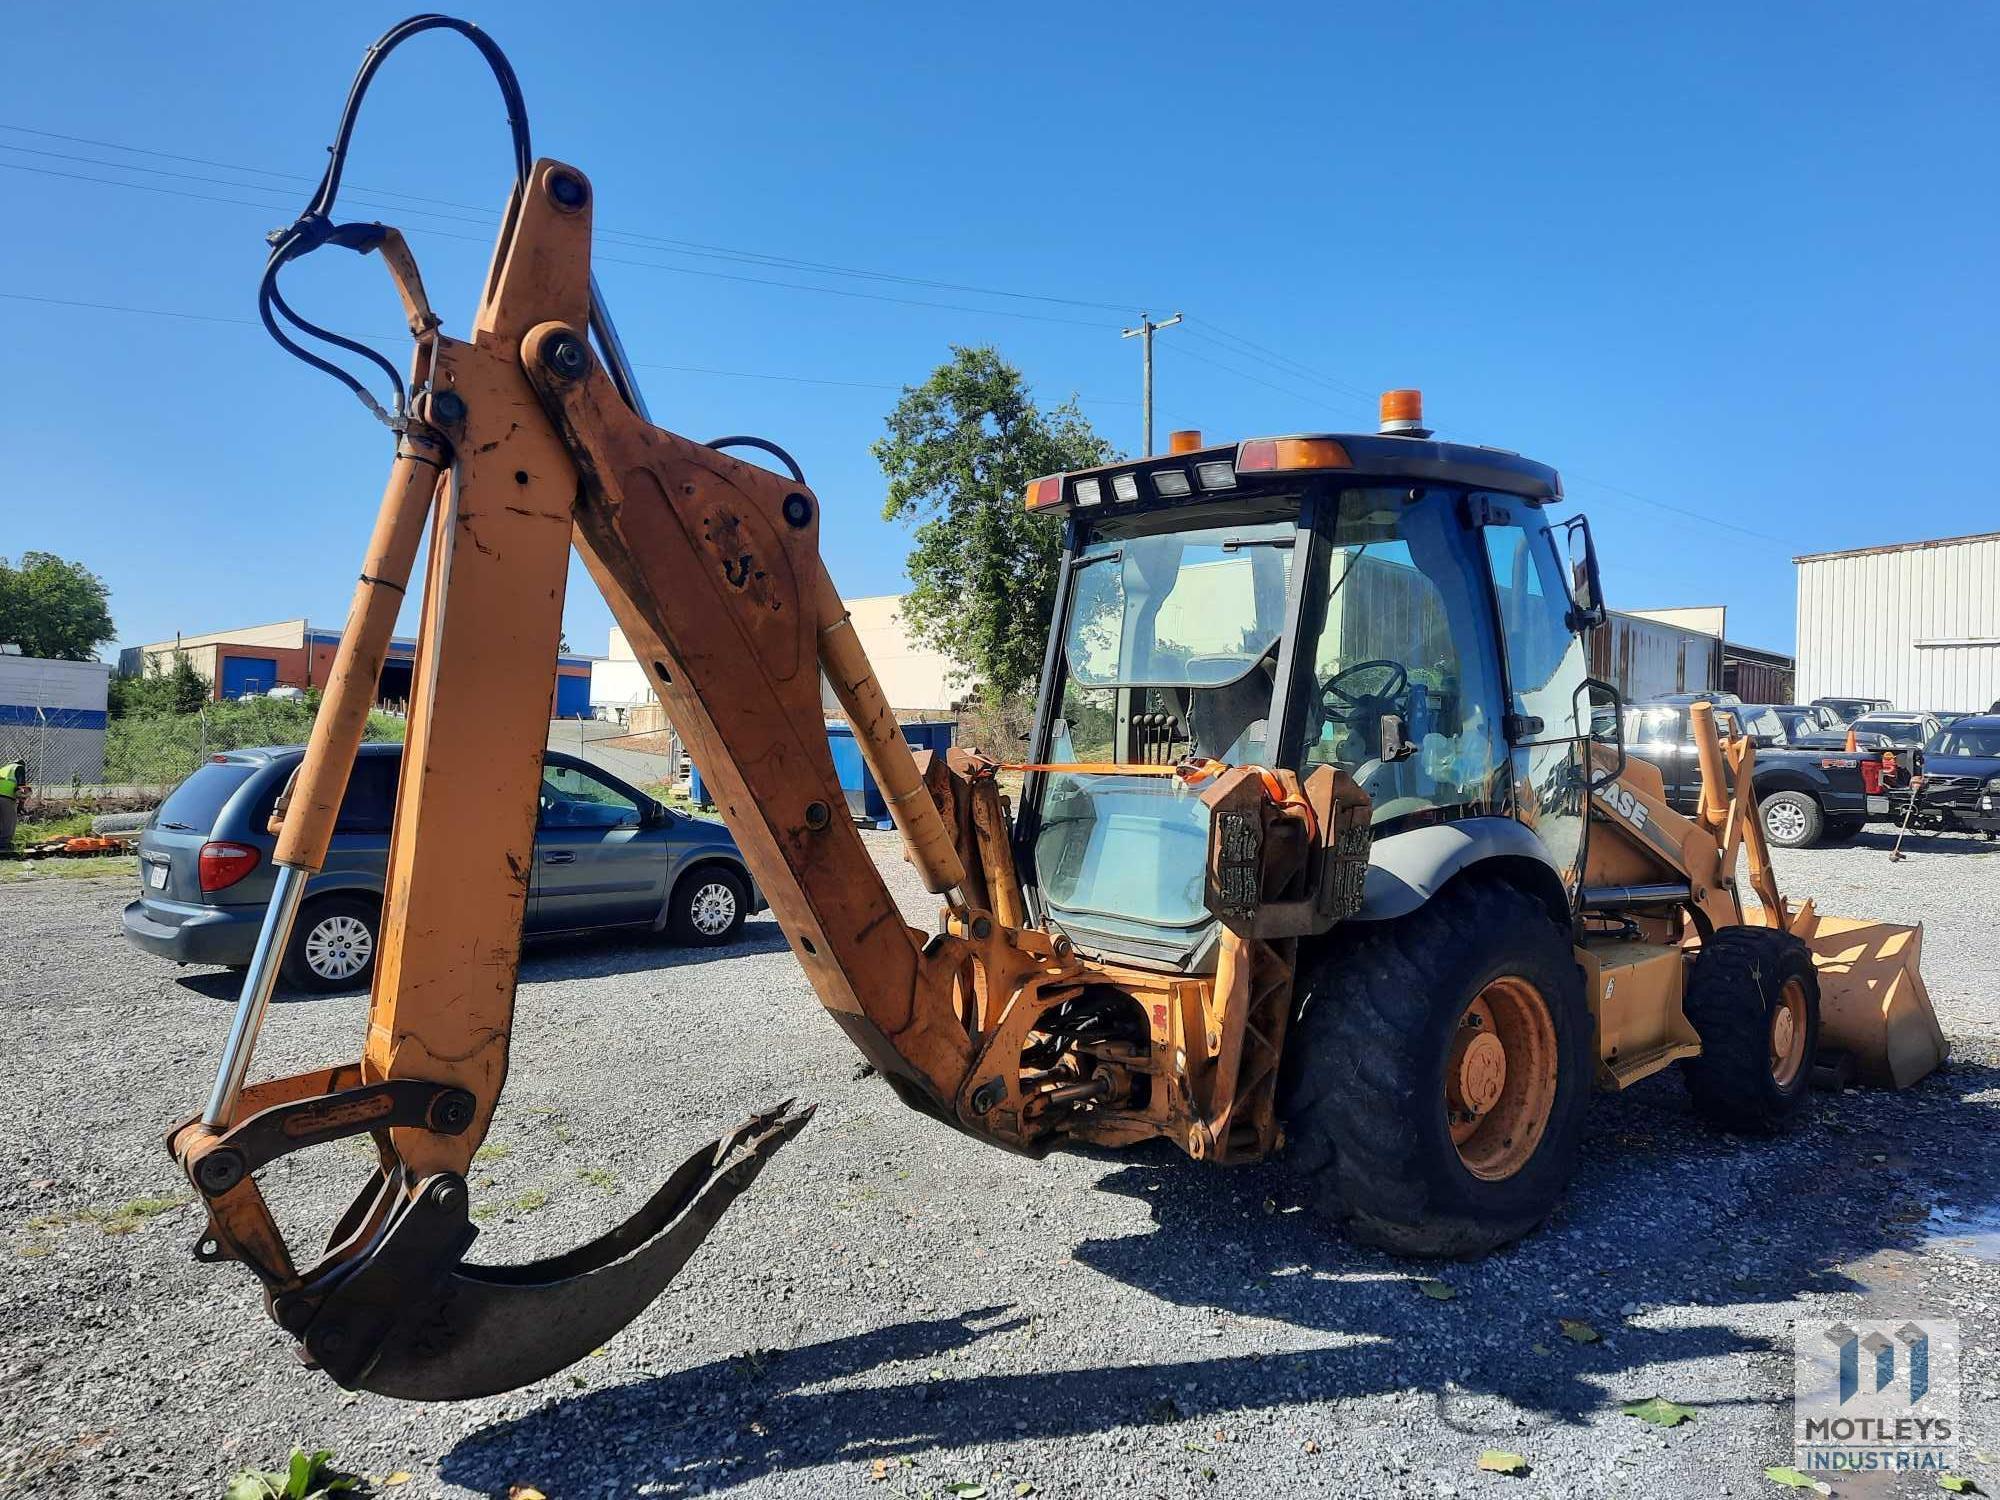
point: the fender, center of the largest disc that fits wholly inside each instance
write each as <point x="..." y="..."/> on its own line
<point x="1787" y="778"/>
<point x="1406" y="869"/>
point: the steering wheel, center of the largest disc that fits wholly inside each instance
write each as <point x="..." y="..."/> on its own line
<point x="1341" y="702"/>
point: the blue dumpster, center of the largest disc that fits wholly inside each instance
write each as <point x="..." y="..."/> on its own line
<point x="864" y="798"/>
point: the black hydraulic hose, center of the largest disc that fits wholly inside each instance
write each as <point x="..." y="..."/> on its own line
<point x="316" y="227"/>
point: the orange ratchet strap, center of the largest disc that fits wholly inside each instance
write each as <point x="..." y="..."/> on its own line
<point x="1193" y="772"/>
<point x="1189" y="772"/>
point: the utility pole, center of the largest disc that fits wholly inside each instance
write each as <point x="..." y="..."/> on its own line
<point x="1144" y="333"/>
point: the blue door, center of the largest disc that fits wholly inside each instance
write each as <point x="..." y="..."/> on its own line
<point x="572" y="697"/>
<point x="248" y="674"/>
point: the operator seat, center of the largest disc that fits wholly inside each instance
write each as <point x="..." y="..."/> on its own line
<point x="1225" y="722"/>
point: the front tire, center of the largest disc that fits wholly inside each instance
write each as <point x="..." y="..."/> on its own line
<point x="1753" y="999"/>
<point x="1792" y="820"/>
<point x="710" y="903"/>
<point x="333" y="945"/>
<point x="1436" y="1081"/>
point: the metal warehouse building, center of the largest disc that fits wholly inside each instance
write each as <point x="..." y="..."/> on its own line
<point x="1917" y="623"/>
<point x="290" y="653"/>
<point x="52" y="715"/>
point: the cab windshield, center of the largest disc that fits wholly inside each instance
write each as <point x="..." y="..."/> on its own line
<point x="1170" y="651"/>
<point x="1191" y="609"/>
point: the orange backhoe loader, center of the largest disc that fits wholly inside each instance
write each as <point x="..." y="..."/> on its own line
<point x="1326" y="845"/>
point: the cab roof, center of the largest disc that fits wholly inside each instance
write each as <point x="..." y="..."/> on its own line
<point x="1212" y="472"/>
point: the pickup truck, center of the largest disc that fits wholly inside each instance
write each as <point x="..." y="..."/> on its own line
<point x="1803" y="796"/>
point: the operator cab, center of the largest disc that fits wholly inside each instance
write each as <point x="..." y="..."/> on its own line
<point x="1387" y="604"/>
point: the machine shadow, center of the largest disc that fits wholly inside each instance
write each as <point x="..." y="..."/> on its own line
<point x="1798" y="1214"/>
<point x="604" y="955"/>
<point x="1882" y="836"/>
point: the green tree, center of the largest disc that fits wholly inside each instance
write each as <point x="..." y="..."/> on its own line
<point x="177" y="690"/>
<point x="959" y="453"/>
<point x="52" y="607"/>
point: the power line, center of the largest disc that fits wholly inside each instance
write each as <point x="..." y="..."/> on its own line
<point x="1238" y="346"/>
<point x="673" y="245"/>
<point x="616" y="260"/>
<point x="1571" y="476"/>
<point x="394" y="339"/>
<point x="1316" y="402"/>
<point x="1282" y="362"/>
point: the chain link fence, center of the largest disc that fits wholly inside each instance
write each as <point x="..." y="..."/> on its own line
<point x="62" y="746"/>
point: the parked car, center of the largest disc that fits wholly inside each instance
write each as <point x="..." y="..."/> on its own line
<point x="1894" y="729"/>
<point x="1803" y="796"/>
<point x="1789" y="725"/>
<point x="1706" y="695"/>
<point x="1961" y="777"/>
<point x="1850" y="709"/>
<point x="1950" y="716"/>
<point x="606" y="856"/>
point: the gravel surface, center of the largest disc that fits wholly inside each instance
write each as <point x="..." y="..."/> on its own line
<point x="895" y="1309"/>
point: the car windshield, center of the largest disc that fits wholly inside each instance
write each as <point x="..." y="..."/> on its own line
<point x="196" y="803"/>
<point x="1895" y="731"/>
<point x="1982" y="740"/>
<point x="1764" y="725"/>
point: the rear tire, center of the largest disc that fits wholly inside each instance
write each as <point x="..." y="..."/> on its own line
<point x="1753" y="999"/>
<point x="1792" y="820"/>
<point x="1384" y="1024"/>
<point x="709" y="905"/>
<point x="333" y="945"/>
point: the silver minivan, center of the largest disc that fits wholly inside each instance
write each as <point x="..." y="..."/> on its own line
<point x="607" y="856"/>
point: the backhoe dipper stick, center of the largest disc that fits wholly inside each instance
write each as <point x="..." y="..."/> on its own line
<point x="304" y="816"/>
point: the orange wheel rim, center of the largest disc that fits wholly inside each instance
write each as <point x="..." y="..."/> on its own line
<point x="1500" y="1078"/>
<point x="1788" y="1033"/>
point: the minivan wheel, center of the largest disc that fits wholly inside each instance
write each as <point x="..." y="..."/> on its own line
<point x="333" y="945"/>
<point x="710" y="904"/>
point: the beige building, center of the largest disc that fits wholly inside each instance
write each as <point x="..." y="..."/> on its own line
<point x="917" y="681"/>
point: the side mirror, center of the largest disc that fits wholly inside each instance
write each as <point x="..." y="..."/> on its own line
<point x="1600" y="706"/>
<point x="1586" y="589"/>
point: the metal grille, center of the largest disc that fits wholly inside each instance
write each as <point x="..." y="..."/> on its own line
<point x="1951" y="788"/>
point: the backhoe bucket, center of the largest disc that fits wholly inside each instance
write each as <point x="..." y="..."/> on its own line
<point x="1872" y="1001"/>
<point x="412" y="1319"/>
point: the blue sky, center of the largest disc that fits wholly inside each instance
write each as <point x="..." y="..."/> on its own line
<point x="1734" y="260"/>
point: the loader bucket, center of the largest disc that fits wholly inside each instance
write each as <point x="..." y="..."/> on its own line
<point x="1872" y="1001"/>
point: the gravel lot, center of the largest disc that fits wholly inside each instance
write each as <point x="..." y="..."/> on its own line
<point x="895" y="1309"/>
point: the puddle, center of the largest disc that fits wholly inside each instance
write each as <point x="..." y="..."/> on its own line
<point x="1965" y="1231"/>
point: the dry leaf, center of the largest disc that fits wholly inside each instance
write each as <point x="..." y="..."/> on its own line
<point x="1499" y="1461"/>
<point x="1579" y="1332"/>
<point x="1437" y="1291"/>
<point x="1659" y="1411"/>
<point x="524" y="1492"/>
<point x="1792" y="1479"/>
<point x="401" y="1476"/>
